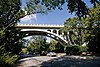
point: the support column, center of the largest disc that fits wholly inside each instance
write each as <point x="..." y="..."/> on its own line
<point x="51" y="30"/>
<point x="57" y="32"/>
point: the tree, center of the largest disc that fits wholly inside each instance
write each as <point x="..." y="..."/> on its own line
<point x="77" y="6"/>
<point x="88" y="31"/>
<point x="11" y="37"/>
<point x="92" y="24"/>
<point x="73" y="30"/>
<point x="11" y="12"/>
<point x="52" y="45"/>
<point x="10" y="15"/>
<point x="38" y="44"/>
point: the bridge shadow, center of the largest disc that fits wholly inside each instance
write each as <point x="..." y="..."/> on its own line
<point x="72" y="61"/>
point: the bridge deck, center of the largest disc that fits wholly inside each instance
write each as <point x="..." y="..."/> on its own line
<point x="39" y="26"/>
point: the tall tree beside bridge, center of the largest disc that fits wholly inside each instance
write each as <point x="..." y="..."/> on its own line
<point x="10" y="38"/>
<point x="86" y="30"/>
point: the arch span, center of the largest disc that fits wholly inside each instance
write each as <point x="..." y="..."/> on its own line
<point x="30" y="32"/>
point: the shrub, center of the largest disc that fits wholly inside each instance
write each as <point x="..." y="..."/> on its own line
<point x="24" y="50"/>
<point x="83" y="49"/>
<point x="7" y="59"/>
<point x="75" y="50"/>
<point x="72" y="50"/>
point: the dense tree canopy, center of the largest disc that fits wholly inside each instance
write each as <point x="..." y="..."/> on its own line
<point x="78" y="6"/>
<point x="10" y="37"/>
<point x="86" y="30"/>
<point x="10" y="14"/>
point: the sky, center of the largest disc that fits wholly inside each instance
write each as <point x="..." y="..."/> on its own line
<point x="55" y="17"/>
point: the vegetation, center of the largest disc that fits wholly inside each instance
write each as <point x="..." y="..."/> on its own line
<point x="39" y="45"/>
<point x="79" y="7"/>
<point x="72" y="50"/>
<point x="11" y="39"/>
<point x="85" y="31"/>
<point x="76" y="50"/>
<point x="93" y="29"/>
<point x="52" y="45"/>
<point x="8" y="59"/>
<point x="83" y="49"/>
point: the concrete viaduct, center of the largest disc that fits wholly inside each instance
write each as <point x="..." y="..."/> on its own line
<point x="53" y="31"/>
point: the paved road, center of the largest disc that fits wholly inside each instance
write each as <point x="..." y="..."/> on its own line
<point x="66" y="61"/>
<point x="33" y="61"/>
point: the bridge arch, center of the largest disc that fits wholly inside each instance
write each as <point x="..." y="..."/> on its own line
<point x="30" y="32"/>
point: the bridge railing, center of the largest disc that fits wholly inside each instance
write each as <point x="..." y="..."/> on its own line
<point x="41" y="25"/>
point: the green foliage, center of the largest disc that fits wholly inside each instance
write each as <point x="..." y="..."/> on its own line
<point x="72" y="50"/>
<point x="59" y="48"/>
<point x="73" y="28"/>
<point x="1" y="34"/>
<point x="8" y="59"/>
<point x="85" y="30"/>
<point x="79" y="7"/>
<point x="10" y="37"/>
<point x="37" y="45"/>
<point x="92" y="32"/>
<point x="49" y="4"/>
<point x="83" y="49"/>
<point x="11" y="12"/>
<point x="13" y="41"/>
<point x="52" y="45"/>
<point x="33" y="48"/>
<point x="24" y="50"/>
<point x="75" y="49"/>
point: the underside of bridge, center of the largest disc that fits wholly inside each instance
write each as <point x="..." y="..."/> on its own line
<point x="45" y="33"/>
